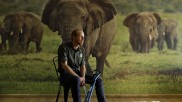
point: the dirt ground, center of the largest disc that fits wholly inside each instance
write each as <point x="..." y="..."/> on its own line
<point x="117" y="98"/>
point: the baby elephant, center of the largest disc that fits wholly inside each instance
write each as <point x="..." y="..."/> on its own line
<point x="168" y="32"/>
<point x="22" y="28"/>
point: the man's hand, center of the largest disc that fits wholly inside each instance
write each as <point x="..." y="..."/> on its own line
<point x="82" y="80"/>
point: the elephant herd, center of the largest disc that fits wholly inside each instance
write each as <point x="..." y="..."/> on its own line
<point x="146" y="28"/>
<point x="19" y="29"/>
<point x="97" y="18"/>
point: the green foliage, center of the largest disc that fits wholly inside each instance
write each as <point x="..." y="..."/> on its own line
<point x="7" y="6"/>
<point x="169" y="10"/>
<point x="123" y="6"/>
<point x="130" y="6"/>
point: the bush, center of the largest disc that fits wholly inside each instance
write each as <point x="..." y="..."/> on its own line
<point x="125" y="7"/>
<point x="153" y="9"/>
<point x="169" y="10"/>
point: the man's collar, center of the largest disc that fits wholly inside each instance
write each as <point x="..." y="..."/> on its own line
<point x="71" y="45"/>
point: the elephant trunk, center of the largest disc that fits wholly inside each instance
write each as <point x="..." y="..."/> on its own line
<point x="144" y="40"/>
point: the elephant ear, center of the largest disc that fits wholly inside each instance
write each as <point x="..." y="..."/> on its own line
<point x="158" y="18"/>
<point x="130" y="20"/>
<point x="100" y="11"/>
<point x="49" y="15"/>
<point x="174" y="23"/>
<point x="16" y="18"/>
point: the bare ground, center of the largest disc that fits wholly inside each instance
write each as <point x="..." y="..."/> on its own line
<point x="110" y="98"/>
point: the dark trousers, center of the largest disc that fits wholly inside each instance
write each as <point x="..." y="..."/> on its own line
<point x="73" y="82"/>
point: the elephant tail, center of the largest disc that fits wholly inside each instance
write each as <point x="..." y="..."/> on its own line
<point x="107" y="63"/>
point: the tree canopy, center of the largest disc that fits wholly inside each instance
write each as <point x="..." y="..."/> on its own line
<point x="130" y="6"/>
<point x="9" y="6"/>
<point x="123" y="6"/>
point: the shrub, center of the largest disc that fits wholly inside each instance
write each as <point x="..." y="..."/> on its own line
<point x="169" y="10"/>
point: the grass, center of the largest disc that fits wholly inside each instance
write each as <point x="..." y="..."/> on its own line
<point x="130" y="72"/>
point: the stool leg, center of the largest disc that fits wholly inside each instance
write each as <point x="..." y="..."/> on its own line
<point x="59" y="90"/>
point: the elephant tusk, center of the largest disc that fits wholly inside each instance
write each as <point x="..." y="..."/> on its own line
<point x="163" y="33"/>
<point x="150" y="37"/>
<point x="11" y="33"/>
<point x="21" y="31"/>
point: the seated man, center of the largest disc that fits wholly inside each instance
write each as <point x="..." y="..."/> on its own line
<point x="71" y="59"/>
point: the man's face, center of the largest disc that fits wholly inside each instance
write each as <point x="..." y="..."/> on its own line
<point x="79" y="39"/>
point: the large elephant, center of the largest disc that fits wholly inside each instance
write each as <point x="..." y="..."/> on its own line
<point x="167" y="31"/>
<point x="143" y="30"/>
<point x="96" y="17"/>
<point x="22" y="28"/>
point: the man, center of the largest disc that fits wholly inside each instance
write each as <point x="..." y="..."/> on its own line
<point x="71" y="59"/>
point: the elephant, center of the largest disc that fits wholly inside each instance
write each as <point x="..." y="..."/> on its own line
<point x="22" y="28"/>
<point x="4" y="38"/>
<point x="143" y="30"/>
<point x="167" y="31"/>
<point x="97" y="18"/>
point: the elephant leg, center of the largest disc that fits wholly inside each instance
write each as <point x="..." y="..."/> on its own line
<point x="27" y="46"/>
<point x="142" y="50"/>
<point x="10" y="45"/>
<point x="175" y="43"/>
<point x="4" y="37"/>
<point x="25" y="41"/>
<point x="132" y="43"/>
<point x="137" y="44"/>
<point x="147" y="50"/>
<point x="3" y="45"/>
<point x="38" y="48"/>
<point x="89" y="69"/>
<point x="141" y="46"/>
<point x="15" y="40"/>
<point x="100" y="63"/>
<point x="144" y="47"/>
<point x="160" y="44"/>
<point x="168" y="41"/>
<point x="152" y="43"/>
